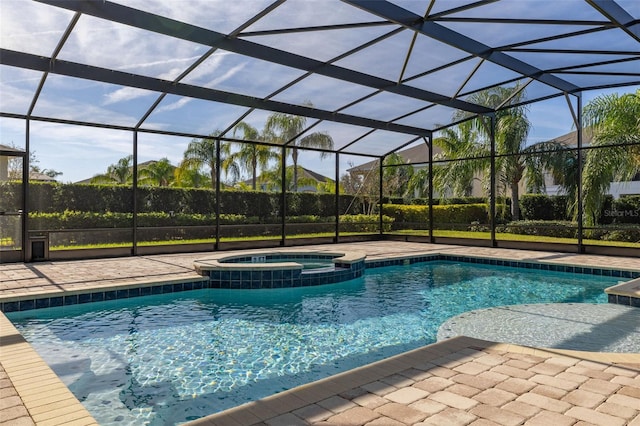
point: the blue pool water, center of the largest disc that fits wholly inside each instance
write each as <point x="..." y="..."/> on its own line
<point x="171" y="358"/>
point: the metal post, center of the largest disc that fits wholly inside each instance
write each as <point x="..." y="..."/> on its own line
<point x="579" y="189"/>
<point x="217" y="195"/>
<point x="134" y="190"/>
<point x="337" y="199"/>
<point x="283" y="195"/>
<point x="492" y="191"/>
<point x="25" y="191"/>
<point x="429" y="143"/>
<point x="381" y="180"/>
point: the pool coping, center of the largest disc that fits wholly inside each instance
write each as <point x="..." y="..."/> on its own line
<point x="626" y="293"/>
<point x="40" y="394"/>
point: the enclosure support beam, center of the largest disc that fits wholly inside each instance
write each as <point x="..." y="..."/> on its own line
<point x="492" y="191"/>
<point x="134" y="250"/>
<point x="25" y="190"/>
<point x="337" y="199"/>
<point x="217" y="243"/>
<point x="429" y="142"/>
<point x="283" y="196"/>
<point x="381" y="195"/>
<point x="579" y="165"/>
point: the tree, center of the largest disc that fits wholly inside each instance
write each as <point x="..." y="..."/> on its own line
<point x="615" y="122"/>
<point x="456" y="176"/>
<point x="202" y="153"/>
<point x="396" y="175"/>
<point x="157" y="173"/>
<point x="252" y="156"/>
<point x="285" y="128"/>
<point x="418" y="185"/>
<point x="516" y="161"/>
<point x="364" y="186"/>
<point x="119" y="173"/>
<point x="272" y="179"/>
<point x="190" y="177"/>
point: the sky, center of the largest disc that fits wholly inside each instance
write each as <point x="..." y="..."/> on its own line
<point x="80" y="152"/>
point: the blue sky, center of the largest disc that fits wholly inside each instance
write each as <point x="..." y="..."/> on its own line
<point x="81" y="152"/>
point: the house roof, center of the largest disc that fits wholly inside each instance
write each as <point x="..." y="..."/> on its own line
<point x="571" y="139"/>
<point x="302" y="173"/>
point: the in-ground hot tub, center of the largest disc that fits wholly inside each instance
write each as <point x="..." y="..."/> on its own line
<point x="280" y="268"/>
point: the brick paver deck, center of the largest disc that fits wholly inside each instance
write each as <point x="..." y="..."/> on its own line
<point x="458" y="381"/>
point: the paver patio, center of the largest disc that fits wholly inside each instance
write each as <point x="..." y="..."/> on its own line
<point x="457" y="381"/>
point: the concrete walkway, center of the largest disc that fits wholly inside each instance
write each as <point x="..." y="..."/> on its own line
<point x="458" y="381"/>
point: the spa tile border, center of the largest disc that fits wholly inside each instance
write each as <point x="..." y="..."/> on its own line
<point x="257" y="280"/>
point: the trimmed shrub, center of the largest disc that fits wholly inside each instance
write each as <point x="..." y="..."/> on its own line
<point x="442" y="215"/>
<point x="547" y="228"/>
<point x="626" y="209"/>
<point x="544" y="207"/>
<point x="364" y="223"/>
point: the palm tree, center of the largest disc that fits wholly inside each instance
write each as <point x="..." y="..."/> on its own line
<point x="615" y="122"/>
<point x="456" y="177"/>
<point x="157" y="173"/>
<point x="202" y="153"/>
<point x="189" y="177"/>
<point x="516" y="161"/>
<point x="285" y="128"/>
<point x="418" y="185"/>
<point x="119" y="173"/>
<point x="396" y="175"/>
<point x="272" y="179"/>
<point x="252" y="156"/>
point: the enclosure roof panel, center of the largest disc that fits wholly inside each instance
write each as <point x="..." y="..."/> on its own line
<point x="374" y="74"/>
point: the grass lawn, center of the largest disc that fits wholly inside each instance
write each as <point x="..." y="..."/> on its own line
<point x="437" y="233"/>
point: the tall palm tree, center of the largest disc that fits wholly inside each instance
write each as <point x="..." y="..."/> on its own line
<point x="456" y="177"/>
<point x="615" y="122"/>
<point x="157" y="173"/>
<point x="118" y="173"/>
<point x="516" y="161"/>
<point x="285" y="128"/>
<point x="252" y="156"/>
<point x="202" y="153"/>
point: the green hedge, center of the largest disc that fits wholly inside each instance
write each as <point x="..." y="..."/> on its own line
<point x="547" y="228"/>
<point x="567" y="229"/>
<point x="544" y="207"/>
<point x="436" y="201"/>
<point x="102" y="228"/>
<point x="56" y="197"/>
<point x="442" y="215"/>
<point x="625" y="209"/>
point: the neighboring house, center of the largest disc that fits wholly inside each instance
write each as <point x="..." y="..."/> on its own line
<point x="5" y="161"/>
<point x="40" y="177"/>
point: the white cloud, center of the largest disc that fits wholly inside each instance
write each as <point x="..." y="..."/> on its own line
<point x="174" y="105"/>
<point x="226" y="76"/>
<point x="125" y="94"/>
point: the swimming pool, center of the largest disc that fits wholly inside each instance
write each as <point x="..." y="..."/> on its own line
<point x="171" y="358"/>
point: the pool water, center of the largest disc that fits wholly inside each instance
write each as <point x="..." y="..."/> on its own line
<point x="172" y="358"/>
